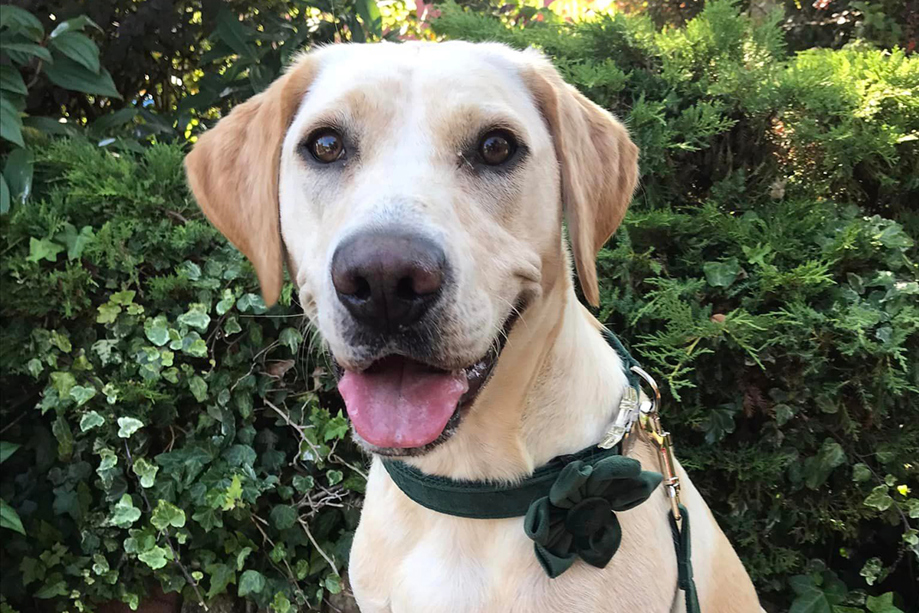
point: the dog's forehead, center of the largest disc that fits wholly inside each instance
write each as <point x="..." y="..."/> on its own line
<point x="433" y="75"/>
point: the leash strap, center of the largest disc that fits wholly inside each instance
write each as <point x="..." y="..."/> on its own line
<point x="683" y="545"/>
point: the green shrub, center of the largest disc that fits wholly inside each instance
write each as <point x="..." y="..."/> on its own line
<point x="172" y="428"/>
<point x="766" y="275"/>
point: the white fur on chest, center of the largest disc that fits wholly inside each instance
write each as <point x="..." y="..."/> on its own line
<point x="407" y="559"/>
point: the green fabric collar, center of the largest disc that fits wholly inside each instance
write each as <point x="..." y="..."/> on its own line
<point x="485" y="499"/>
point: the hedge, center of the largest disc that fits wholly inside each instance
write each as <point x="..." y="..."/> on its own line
<point x="162" y="427"/>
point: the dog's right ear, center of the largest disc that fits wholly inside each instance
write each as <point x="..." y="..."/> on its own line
<point x="233" y="173"/>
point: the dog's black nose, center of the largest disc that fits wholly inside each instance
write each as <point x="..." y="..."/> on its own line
<point x="387" y="279"/>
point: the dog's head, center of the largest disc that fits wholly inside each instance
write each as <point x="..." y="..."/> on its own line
<point x="416" y="192"/>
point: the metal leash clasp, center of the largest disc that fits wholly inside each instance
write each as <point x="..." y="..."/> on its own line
<point x="650" y="420"/>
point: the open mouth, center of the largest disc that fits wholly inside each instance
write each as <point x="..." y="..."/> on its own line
<point x="401" y="406"/>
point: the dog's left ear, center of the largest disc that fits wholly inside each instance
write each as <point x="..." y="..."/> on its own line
<point x="598" y="163"/>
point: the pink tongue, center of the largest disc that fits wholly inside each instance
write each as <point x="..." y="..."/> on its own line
<point x="401" y="403"/>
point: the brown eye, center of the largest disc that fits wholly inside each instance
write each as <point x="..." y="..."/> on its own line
<point x="325" y="145"/>
<point x="497" y="147"/>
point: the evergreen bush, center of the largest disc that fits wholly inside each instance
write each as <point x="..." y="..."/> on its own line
<point x="160" y="426"/>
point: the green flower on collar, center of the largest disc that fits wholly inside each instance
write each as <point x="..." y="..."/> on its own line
<point x="576" y="519"/>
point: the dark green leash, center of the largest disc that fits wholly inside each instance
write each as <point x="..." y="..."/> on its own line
<point x="569" y="505"/>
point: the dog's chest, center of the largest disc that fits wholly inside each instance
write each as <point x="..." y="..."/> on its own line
<point x="407" y="559"/>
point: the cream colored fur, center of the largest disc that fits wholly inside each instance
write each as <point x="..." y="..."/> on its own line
<point x="557" y="384"/>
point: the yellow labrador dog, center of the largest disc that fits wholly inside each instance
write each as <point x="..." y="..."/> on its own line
<point x="416" y="192"/>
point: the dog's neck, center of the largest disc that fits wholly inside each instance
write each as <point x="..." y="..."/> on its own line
<point x="555" y="390"/>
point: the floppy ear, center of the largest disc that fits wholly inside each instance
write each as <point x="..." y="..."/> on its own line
<point x="598" y="163"/>
<point x="233" y="173"/>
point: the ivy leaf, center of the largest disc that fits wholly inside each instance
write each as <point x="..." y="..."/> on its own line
<point x="303" y="484"/>
<point x="157" y="330"/>
<point x="90" y="420"/>
<point x="783" y="414"/>
<point x="156" y="557"/>
<point x="123" y="298"/>
<point x="283" y="516"/>
<point x="334" y="476"/>
<point x="882" y="604"/>
<point x="879" y="498"/>
<point x="81" y="395"/>
<point x="861" y="473"/>
<point x="280" y="603"/>
<point x="127" y="426"/>
<point x="816" y="594"/>
<point x="251" y="302"/>
<point x="333" y="584"/>
<point x="221" y="576"/>
<point x="63" y="382"/>
<point x="64" y="435"/>
<point x="55" y="585"/>
<point x="871" y="570"/>
<point x="251" y="582"/>
<point x="232" y="326"/>
<point x="719" y="423"/>
<point x="167" y="514"/>
<point x="32" y="570"/>
<point x="240" y="455"/>
<point x="195" y="317"/>
<point x="208" y="519"/>
<point x="818" y="468"/>
<point x="146" y="471"/>
<point x="226" y="302"/>
<point x="108" y="313"/>
<point x="125" y="513"/>
<point x="721" y="274"/>
<point x="291" y="338"/>
<point x="43" y="249"/>
<point x="9" y="518"/>
<point x="198" y="388"/>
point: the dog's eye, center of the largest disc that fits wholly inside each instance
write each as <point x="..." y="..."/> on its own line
<point x="497" y="147"/>
<point x="325" y="145"/>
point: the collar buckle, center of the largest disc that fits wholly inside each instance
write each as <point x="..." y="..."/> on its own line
<point x="625" y="419"/>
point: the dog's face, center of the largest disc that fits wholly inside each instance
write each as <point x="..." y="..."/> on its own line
<point x="417" y="191"/>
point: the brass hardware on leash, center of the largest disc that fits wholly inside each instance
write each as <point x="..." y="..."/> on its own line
<point x="651" y="422"/>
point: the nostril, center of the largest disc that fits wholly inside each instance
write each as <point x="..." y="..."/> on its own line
<point x="361" y="288"/>
<point x="405" y="289"/>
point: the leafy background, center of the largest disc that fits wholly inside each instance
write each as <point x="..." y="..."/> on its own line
<point x="162" y="431"/>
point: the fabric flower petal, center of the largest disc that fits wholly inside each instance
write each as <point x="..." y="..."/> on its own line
<point x="565" y="491"/>
<point x="603" y="544"/>
<point x="536" y="522"/>
<point x="554" y="565"/>
<point x="631" y="493"/>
